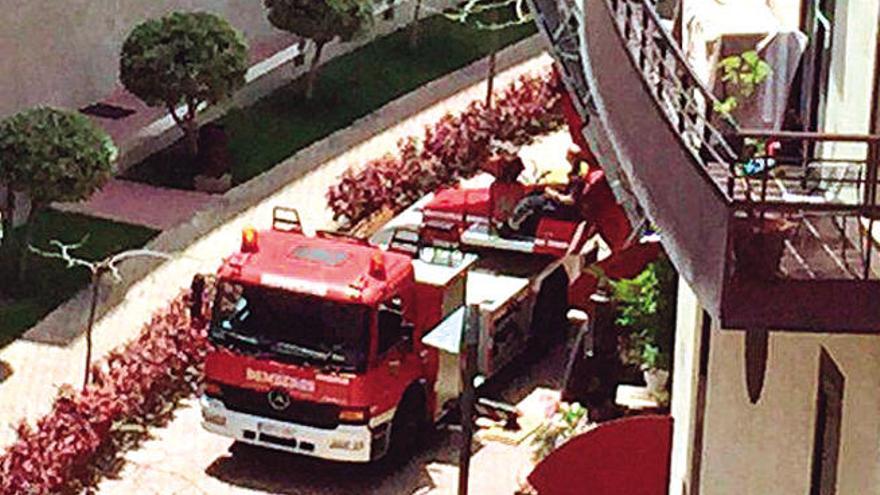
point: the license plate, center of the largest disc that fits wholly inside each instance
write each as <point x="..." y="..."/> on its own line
<point x="276" y="430"/>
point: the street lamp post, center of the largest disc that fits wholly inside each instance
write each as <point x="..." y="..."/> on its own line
<point x="470" y="340"/>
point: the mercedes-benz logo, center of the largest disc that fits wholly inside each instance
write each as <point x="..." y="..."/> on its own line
<point x="279" y="400"/>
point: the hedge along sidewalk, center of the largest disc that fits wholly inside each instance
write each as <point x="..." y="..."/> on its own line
<point x="52" y="352"/>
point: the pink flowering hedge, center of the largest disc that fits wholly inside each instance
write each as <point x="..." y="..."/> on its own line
<point x="450" y="149"/>
<point x="129" y="385"/>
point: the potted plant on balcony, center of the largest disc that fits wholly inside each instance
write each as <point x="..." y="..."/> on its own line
<point x="758" y="236"/>
<point x="740" y="77"/>
<point x="759" y="243"/>
<point x="646" y="317"/>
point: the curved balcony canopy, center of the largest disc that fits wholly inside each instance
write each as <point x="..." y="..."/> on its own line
<point x="772" y="229"/>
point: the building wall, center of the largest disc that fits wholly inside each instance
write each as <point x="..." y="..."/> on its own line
<point x="787" y="11"/>
<point x="684" y="388"/>
<point x="853" y="55"/>
<point x="66" y="53"/>
<point x="766" y="448"/>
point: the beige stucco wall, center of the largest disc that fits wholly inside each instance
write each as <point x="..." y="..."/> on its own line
<point x="787" y="11"/>
<point x="847" y="108"/>
<point x="766" y="448"/>
<point x="684" y="387"/>
<point x="851" y="76"/>
<point x="66" y="52"/>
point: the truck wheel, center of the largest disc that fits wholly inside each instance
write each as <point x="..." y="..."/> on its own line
<point x="407" y="427"/>
<point x="548" y="317"/>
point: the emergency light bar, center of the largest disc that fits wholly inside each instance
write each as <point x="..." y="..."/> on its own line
<point x="377" y="265"/>
<point x="249" y="242"/>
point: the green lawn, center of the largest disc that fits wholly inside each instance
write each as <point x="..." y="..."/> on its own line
<point x="49" y="282"/>
<point x="350" y="87"/>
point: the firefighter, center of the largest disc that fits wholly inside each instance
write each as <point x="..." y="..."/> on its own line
<point x="561" y="204"/>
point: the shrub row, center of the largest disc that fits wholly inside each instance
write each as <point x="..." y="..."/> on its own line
<point x="129" y="385"/>
<point x="450" y="149"/>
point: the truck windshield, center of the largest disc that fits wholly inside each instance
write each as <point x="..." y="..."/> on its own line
<point x="291" y="326"/>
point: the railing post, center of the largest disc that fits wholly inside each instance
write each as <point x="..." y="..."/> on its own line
<point x="869" y="247"/>
<point x="730" y="185"/>
<point x="663" y="53"/>
<point x="764" y="177"/>
<point x="870" y="201"/>
<point x="643" y="53"/>
<point x="871" y="176"/>
<point x="682" y="103"/>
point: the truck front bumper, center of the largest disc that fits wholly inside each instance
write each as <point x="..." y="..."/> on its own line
<point x="349" y="443"/>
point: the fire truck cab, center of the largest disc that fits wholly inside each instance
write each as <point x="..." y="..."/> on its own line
<point x="333" y="347"/>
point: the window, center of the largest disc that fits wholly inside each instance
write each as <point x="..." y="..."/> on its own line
<point x="826" y="441"/>
<point x="392" y="328"/>
<point x="291" y="325"/>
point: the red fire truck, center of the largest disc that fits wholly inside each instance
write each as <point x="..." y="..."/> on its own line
<point x="344" y="349"/>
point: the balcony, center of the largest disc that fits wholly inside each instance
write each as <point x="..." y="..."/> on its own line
<point x="768" y="240"/>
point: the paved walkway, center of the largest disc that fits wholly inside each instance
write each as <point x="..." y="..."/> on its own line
<point x="141" y="204"/>
<point x="39" y="368"/>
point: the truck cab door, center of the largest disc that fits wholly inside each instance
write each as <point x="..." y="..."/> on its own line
<point x="397" y="363"/>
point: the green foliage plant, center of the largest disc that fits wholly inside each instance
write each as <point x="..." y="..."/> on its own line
<point x="321" y="21"/>
<point x="646" y="311"/>
<point x="568" y="421"/>
<point x="741" y="75"/>
<point x="49" y="155"/>
<point x="184" y="59"/>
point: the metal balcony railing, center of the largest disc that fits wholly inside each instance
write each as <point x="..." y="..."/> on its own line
<point x="823" y="186"/>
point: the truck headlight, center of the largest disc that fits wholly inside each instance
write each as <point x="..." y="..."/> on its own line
<point x="213" y="418"/>
<point x="346" y="444"/>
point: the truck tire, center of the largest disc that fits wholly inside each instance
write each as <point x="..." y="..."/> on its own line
<point x="408" y="426"/>
<point x="548" y="317"/>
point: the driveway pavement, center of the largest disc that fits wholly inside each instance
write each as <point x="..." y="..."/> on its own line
<point x="182" y="458"/>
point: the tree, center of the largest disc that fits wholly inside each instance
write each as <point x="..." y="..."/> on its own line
<point x="321" y="21"/>
<point x="184" y="59"/>
<point x="97" y="269"/>
<point x="415" y="26"/>
<point x="474" y="12"/>
<point x="51" y="155"/>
